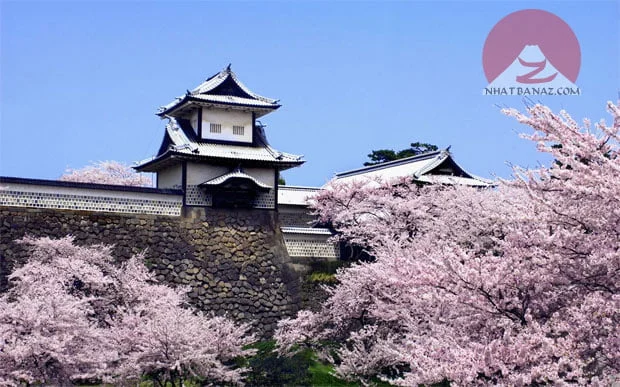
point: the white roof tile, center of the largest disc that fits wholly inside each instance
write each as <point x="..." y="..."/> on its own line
<point x="234" y="174"/>
<point x="232" y="99"/>
<point x="220" y="77"/>
<point x="420" y="167"/>
<point x="296" y="196"/>
<point x="455" y="180"/>
<point x="306" y="230"/>
<point x="393" y="172"/>
<point x="205" y="92"/>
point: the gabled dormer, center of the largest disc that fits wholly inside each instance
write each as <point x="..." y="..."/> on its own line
<point x="221" y="109"/>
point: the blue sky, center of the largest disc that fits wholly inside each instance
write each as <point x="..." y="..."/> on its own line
<point x="81" y="81"/>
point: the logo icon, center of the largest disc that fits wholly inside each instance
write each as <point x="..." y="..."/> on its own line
<point x="531" y="52"/>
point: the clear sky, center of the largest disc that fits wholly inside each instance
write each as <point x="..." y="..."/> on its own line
<point x="81" y="81"/>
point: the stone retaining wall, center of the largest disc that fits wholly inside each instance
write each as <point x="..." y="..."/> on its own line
<point x="234" y="261"/>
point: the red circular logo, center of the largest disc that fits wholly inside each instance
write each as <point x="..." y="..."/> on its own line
<point x="535" y="40"/>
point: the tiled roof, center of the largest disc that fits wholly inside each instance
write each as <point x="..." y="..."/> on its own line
<point x="455" y="180"/>
<point x="306" y="230"/>
<point x="424" y="168"/>
<point x="182" y="145"/>
<point x="94" y="186"/>
<point x="232" y="100"/>
<point x="217" y="79"/>
<point x="222" y="88"/>
<point x="396" y="168"/>
<point x="236" y="174"/>
<point x="297" y="196"/>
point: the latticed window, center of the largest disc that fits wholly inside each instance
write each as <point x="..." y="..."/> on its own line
<point x="238" y="130"/>
<point x="215" y="128"/>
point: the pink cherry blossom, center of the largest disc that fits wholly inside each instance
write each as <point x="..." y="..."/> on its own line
<point x="517" y="285"/>
<point x="72" y="314"/>
<point x="107" y="172"/>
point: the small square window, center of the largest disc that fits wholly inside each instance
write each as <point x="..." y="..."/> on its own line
<point x="215" y="128"/>
<point x="238" y="130"/>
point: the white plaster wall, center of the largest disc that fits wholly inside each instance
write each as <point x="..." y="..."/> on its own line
<point x="293" y="210"/>
<point x="227" y="118"/>
<point x="76" y="191"/>
<point x="311" y="246"/>
<point x="170" y="177"/>
<point x="199" y="173"/>
<point x="264" y="175"/>
<point x="295" y="216"/>
<point x="194" y="121"/>
<point x="89" y="199"/>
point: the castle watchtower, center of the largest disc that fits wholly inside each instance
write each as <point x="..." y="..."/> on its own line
<point x="216" y="151"/>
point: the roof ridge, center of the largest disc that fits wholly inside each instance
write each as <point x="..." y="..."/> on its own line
<point x="237" y="172"/>
<point x="387" y="164"/>
<point x="201" y="92"/>
<point x="223" y="75"/>
<point x="298" y="187"/>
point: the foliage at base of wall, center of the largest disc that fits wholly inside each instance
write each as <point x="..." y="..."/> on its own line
<point x="302" y="369"/>
<point x="322" y="278"/>
<point x="321" y="273"/>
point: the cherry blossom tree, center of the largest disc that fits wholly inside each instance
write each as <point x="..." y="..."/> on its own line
<point x="47" y="334"/>
<point x="107" y="172"/>
<point x="158" y="338"/>
<point x="72" y="314"/>
<point x="517" y="285"/>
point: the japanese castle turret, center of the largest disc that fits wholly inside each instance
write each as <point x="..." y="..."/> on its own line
<point x="216" y="151"/>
